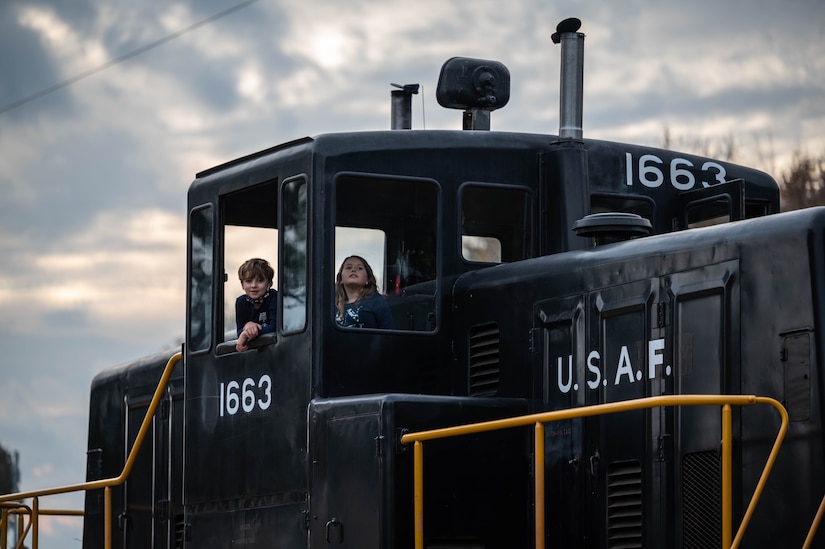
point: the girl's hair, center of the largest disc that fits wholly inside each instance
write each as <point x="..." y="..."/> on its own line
<point x="254" y="268"/>
<point x="341" y="293"/>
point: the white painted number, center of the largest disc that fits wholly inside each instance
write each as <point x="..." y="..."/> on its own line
<point x="650" y="172"/>
<point x="246" y="395"/>
<point x="681" y="178"/>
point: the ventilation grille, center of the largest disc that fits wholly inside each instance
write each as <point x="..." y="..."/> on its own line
<point x="179" y="529"/>
<point x="624" y="505"/>
<point x="701" y="500"/>
<point x="484" y="367"/>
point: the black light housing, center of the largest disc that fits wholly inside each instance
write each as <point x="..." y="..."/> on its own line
<point x="466" y="83"/>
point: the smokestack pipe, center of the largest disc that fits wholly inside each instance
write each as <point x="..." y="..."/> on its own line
<point x="572" y="77"/>
<point x="401" y="106"/>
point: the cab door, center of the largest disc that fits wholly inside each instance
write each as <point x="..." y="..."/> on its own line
<point x="152" y="510"/>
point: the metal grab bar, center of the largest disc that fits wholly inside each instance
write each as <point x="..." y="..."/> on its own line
<point x="14" y="509"/>
<point x="599" y="409"/>
<point x="106" y="484"/>
<point x="21" y="509"/>
<point x="817" y="519"/>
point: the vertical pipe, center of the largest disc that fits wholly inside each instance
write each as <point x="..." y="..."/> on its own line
<point x="538" y="475"/>
<point x="401" y="106"/>
<point x="107" y="517"/>
<point x="4" y="518"/>
<point x="21" y="532"/>
<point x="572" y="78"/>
<point x="21" y="528"/>
<point x="418" y="492"/>
<point x="727" y="473"/>
<point x="35" y="521"/>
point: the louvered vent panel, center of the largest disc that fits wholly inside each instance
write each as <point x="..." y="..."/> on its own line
<point x="484" y="367"/>
<point x="624" y="505"/>
<point x="179" y="529"/>
<point x="702" y="500"/>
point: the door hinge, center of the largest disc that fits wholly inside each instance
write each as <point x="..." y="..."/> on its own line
<point x="662" y="442"/>
<point x="535" y="337"/>
<point x="163" y="410"/>
<point x="661" y="314"/>
<point x="162" y="509"/>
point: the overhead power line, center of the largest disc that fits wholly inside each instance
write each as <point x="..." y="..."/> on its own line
<point x="125" y="57"/>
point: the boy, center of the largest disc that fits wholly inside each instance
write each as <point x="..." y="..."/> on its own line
<point x="255" y="311"/>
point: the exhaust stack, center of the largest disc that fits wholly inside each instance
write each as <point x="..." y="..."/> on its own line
<point x="401" y="106"/>
<point x="572" y="77"/>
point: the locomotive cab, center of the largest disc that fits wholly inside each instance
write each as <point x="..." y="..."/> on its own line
<point x="319" y="401"/>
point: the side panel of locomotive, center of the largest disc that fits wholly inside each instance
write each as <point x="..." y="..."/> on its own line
<point x="729" y="309"/>
<point x="361" y="477"/>
<point x="149" y="506"/>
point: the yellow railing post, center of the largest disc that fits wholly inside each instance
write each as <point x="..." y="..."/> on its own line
<point x="107" y="517"/>
<point x="727" y="480"/>
<point x="418" y="495"/>
<point x="538" y="474"/>
<point x="35" y="521"/>
<point x="4" y="535"/>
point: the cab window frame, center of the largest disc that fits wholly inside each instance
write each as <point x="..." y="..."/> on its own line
<point x="508" y="247"/>
<point x="201" y="307"/>
<point x="390" y="204"/>
<point x="293" y="270"/>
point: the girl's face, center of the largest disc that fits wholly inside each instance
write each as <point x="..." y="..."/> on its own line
<point x="255" y="287"/>
<point x="354" y="273"/>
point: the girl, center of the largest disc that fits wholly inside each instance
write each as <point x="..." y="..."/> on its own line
<point x="357" y="300"/>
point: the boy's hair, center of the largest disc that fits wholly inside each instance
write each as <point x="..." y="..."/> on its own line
<point x="254" y="268"/>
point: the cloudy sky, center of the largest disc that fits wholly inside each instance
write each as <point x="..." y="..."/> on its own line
<point x="109" y="108"/>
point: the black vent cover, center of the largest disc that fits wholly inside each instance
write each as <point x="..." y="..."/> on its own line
<point x="484" y="367"/>
<point x="701" y="500"/>
<point x="624" y="505"/>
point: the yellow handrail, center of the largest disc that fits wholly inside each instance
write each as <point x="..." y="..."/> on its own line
<point x="817" y="519"/>
<point x="14" y="509"/>
<point x="599" y="409"/>
<point x="106" y="484"/>
<point x="20" y="509"/>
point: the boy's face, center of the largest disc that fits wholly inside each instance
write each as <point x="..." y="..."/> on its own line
<point x="255" y="286"/>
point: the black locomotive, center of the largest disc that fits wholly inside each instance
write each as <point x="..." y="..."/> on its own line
<point x="524" y="273"/>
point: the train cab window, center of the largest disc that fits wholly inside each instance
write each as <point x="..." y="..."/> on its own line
<point x="201" y="245"/>
<point x="639" y="205"/>
<point x="295" y="264"/>
<point x="248" y="230"/>
<point x="392" y="223"/>
<point x="242" y="243"/>
<point x="708" y="212"/>
<point x="729" y="201"/>
<point x="495" y="223"/>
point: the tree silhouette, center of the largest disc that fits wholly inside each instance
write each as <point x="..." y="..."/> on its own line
<point x="803" y="185"/>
